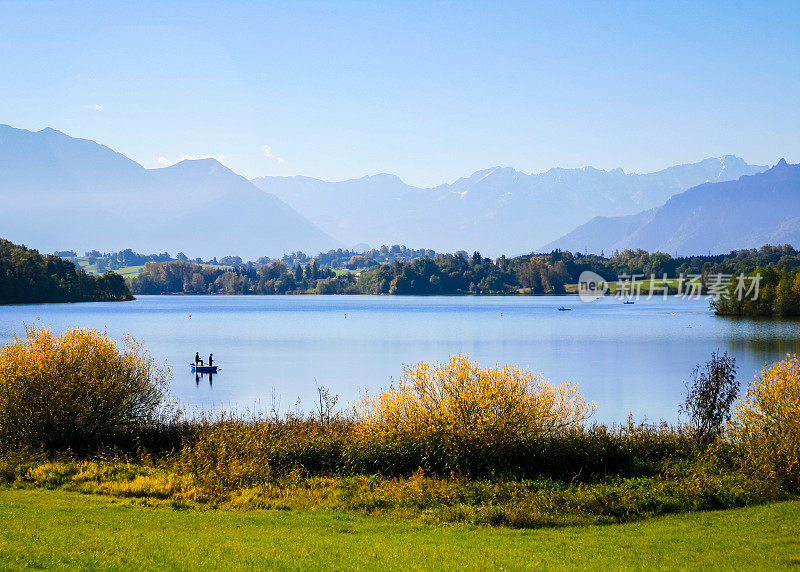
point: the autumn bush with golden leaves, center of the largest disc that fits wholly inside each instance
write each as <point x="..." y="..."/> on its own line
<point x="455" y="410"/>
<point x="767" y="421"/>
<point x="462" y="398"/>
<point x="78" y="390"/>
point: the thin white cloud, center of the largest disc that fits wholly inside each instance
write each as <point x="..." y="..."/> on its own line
<point x="268" y="152"/>
<point x="95" y="106"/>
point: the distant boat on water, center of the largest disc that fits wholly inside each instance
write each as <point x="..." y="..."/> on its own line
<point x="628" y="302"/>
<point x="563" y="309"/>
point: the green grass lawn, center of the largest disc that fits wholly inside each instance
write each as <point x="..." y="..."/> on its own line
<point x="126" y="271"/>
<point x="130" y="271"/>
<point x="57" y="529"/>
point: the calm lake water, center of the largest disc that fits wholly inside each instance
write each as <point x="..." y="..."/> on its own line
<point x="627" y="358"/>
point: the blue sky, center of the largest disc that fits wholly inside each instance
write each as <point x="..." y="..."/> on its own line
<point x="428" y="91"/>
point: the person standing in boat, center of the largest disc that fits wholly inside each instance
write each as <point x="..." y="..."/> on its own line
<point x="210" y="360"/>
<point x="197" y="359"/>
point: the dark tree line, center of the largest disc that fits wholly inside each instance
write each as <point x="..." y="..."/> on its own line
<point x="453" y="274"/>
<point x="444" y="274"/>
<point x="778" y="294"/>
<point x="27" y="276"/>
<point x="640" y="262"/>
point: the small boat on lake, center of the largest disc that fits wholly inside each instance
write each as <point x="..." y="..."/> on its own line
<point x="628" y="302"/>
<point x="563" y="309"/>
<point x="197" y="368"/>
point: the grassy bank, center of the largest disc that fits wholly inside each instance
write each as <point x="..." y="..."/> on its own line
<point x="55" y="529"/>
<point x="221" y="473"/>
<point x="450" y="442"/>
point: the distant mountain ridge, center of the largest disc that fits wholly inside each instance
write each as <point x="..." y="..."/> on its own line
<point x="496" y="210"/>
<point x="754" y="210"/>
<point x="61" y="192"/>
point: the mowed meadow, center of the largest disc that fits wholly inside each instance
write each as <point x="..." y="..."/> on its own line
<point x="57" y="529"/>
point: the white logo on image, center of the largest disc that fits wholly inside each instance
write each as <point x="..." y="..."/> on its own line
<point x="591" y="286"/>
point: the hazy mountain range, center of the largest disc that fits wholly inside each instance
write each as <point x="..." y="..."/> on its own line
<point x="719" y="217"/>
<point x="497" y="210"/>
<point x="59" y="192"/>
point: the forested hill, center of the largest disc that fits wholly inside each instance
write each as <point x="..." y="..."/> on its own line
<point x="26" y="277"/>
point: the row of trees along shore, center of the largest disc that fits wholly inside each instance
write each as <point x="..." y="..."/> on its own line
<point x="27" y="276"/>
<point x="455" y="274"/>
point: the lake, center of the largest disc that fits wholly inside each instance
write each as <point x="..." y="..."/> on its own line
<point x="627" y="358"/>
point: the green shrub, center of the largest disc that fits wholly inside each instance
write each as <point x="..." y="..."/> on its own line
<point x="710" y="395"/>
